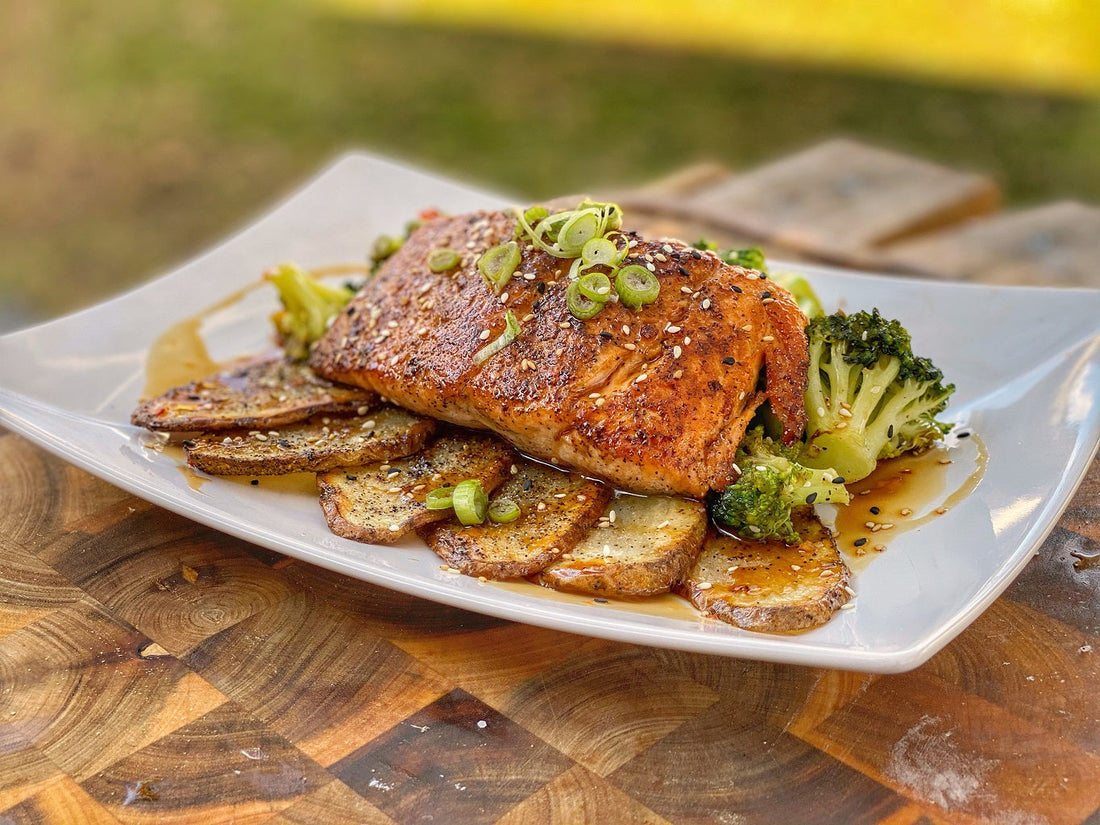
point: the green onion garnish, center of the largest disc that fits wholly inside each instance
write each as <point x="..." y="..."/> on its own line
<point x="564" y="234"/>
<point x="599" y="252"/>
<point x="441" y="260"/>
<point x="595" y="286"/>
<point x="577" y="231"/>
<point x="510" y="334"/>
<point x="636" y="286"/>
<point x="503" y="510"/>
<point x="580" y="304"/>
<point x="470" y="502"/>
<point x="498" y="264"/>
<point x="439" y="499"/>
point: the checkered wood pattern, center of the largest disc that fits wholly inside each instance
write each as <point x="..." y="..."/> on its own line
<point x="153" y="670"/>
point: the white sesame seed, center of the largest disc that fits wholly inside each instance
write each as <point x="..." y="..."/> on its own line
<point x="672" y="328"/>
<point x="704" y="586"/>
<point x="504" y="297"/>
<point x="484" y="335"/>
<point x="626" y="329"/>
<point x="706" y="303"/>
<point x="677" y="351"/>
<point x="768" y="338"/>
<point x="686" y="290"/>
<point x="631" y="347"/>
<point x="663" y="525"/>
<point x="641" y="378"/>
<point x="611" y="516"/>
<point x="678" y="374"/>
<point x="395" y="528"/>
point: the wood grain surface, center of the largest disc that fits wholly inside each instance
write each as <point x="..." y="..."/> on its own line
<point x="153" y="670"/>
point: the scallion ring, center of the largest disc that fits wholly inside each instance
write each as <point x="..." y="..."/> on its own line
<point x="578" y="230"/>
<point x="595" y="286"/>
<point x="442" y="260"/>
<point x="503" y="510"/>
<point x="580" y="304"/>
<point x="439" y="498"/>
<point x="510" y="334"/>
<point x="470" y="502"/>
<point x="599" y="252"/>
<point x="498" y="264"/>
<point x="636" y="286"/>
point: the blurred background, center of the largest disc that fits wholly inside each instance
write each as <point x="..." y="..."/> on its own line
<point x="133" y="135"/>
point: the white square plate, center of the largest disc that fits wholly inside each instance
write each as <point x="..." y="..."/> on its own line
<point x="1026" y="363"/>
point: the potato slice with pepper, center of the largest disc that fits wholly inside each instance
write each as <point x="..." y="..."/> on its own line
<point x="258" y="395"/>
<point x="381" y="502"/>
<point x="322" y="443"/>
<point x="556" y="510"/>
<point x="644" y="546"/>
<point x="768" y="585"/>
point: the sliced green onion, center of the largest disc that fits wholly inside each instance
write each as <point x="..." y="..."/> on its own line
<point x="575" y="269"/>
<point x="440" y="260"/>
<point x="636" y="286"/>
<point x="596" y="286"/>
<point x="384" y="246"/>
<point x="503" y="510"/>
<point x="580" y="304"/>
<point x="470" y="501"/>
<point x="498" y="264"/>
<point x="439" y="499"/>
<point x="536" y="214"/>
<point x="510" y="334"/>
<point x="578" y="230"/>
<point x="599" y="252"/>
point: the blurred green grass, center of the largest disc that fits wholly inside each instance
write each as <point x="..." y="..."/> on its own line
<point x="133" y="135"/>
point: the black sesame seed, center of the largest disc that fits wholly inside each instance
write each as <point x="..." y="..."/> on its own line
<point x="838" y="480"/>
<point x="598" y="600"/>
<point x="254" y="482"/>
<point x="765" y="294"/>
<point x="962" y="435"/>
<point x="527" y="485"/>
<point x="811" y="498"/>
<point x="875" y="511"/>
<point x="729" y="360"/>
<point x="683" y="271"/>
<point x="860" y="542"/>
<point x="189" y="444"/>
<point x="736" y="289"/>
<point x="284" y="443"/>
<point x="890" y="431"/>
<point x="607" y="336"/>
<point x="350" y="477"/>
<point x="696" y="254"/>
<point x="541" y="287"/>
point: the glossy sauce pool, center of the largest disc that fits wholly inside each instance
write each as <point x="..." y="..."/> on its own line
<point x="901" y="495"/>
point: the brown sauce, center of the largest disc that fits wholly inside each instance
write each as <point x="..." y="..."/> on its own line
<point x="179" y="356"/>
<point x="901" y="495"/>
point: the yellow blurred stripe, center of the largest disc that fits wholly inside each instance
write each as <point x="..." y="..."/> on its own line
<point x="1041" y="44"/>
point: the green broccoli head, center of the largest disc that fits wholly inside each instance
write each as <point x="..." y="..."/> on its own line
<point x="772" y="483"/>
<point x="308" y="307"/>
<point x="868" y="397"/>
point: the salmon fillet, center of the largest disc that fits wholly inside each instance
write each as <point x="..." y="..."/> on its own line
<point x="653" y="401"/>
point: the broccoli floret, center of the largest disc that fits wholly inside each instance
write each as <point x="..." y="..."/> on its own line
<point x="772" y="482"/>
<point x="308" y="307"/>
<point x="868" y="397"/>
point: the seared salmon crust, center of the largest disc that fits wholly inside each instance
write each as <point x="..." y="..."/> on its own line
<point x="653" y="401"/>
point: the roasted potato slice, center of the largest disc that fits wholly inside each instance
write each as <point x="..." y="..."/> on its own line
<point x="644" y="546"/>
<point x="322" y="443"/>
<point x="768" y="585"/>
<point x="259" y="395"/>
<point x="556" y="510"/>
<point x="383" y="501"/>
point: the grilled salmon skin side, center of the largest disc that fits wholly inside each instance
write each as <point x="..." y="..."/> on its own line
<point x="654" y="401"/>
